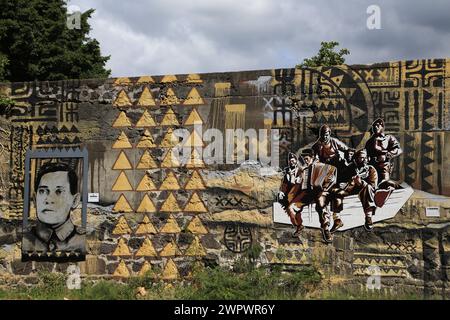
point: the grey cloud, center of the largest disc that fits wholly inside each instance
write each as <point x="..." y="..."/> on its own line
<point x="175" y="36"/>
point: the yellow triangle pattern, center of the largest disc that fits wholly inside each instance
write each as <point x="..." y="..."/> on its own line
<point x="193" y="98"/>
<point x="122" y="270"/>
<point x="170" y="182"/>
<point x="146" y="140"/>
<point x="170" y="98"/>
<point x="195" y="182"/>
<point x="169" y="78"/>
<point x="146" y="184"/>
<point x="171" y="226"/>
<point x="122" y="226"/>
<point x="146" y="99"/>
<point x="122" y="248"/>
<point x="195" y="249"/>
<point x="170" y="271"/>
<point x="121" y="120"/>
<point x="193" y="78"/>
<point x="122" y="183"/>
<point x="146" y="205"/>
<point x="193" y="118"/>
<point x="195" y="161"/>
<point x="170" y="119"/>
<point x="170" y="160"/>
<point x="145" y="79"/>
<point x="146" y="249"/>
<point x="195" y="204"/>
<point x="170" y="250"/>
<point x="122" y="142"/>
<point x="196" y="226"/>
<point x="146" y="161"/>
<point x="122" y="162"/>
<point x="122" y="81"/>
<point x="145" y="227"/>
<point x="122" y="205"/>
<point x="169" y="140"/>
<point x="146" y="267"/>
<point x="122" y="100"/>
<point x="146" y="120"/>
<point x="170" y="205"/>
<point x="194" y="140"/>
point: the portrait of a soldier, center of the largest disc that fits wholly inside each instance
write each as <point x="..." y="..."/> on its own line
<point x="56" y="196"/>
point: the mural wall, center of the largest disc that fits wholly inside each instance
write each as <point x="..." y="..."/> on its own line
<point x="179" y="171"/>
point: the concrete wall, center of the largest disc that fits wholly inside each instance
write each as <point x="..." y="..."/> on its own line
<point x="226" y="208"/>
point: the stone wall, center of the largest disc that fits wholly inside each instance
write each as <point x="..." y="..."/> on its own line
<point x="156" y="214"/>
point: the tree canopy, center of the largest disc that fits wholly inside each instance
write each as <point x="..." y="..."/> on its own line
<point x="37" y="44"/>
<point x="327" y="56"/>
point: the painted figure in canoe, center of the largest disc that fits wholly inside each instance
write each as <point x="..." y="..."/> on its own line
<point x="328" y="172"/>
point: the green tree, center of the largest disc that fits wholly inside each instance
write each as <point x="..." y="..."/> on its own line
<point x="327" y="56"/>
<point x="38" y="44"/>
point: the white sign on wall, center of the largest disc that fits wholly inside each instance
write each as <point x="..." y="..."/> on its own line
<point x="432" y="212"/>
<point x="93" y="197"/>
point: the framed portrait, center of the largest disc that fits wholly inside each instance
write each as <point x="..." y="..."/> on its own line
<point x="55" y="205"/>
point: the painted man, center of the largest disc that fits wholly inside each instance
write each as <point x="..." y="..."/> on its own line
<point x="312" y="187"/>
<point x="363" y="183"/>
<point x="56" y="196"/>
<point x="381" y="149"/>
<point x="290" y="186"/>
<point x="328" y="148"/>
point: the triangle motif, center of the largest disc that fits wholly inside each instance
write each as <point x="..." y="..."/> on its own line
<point x="170" y="119"/>
<point x="196" y="226"/>
<point x="195" y="182"/>
<point x="170" y="250"/>
<point x="193" y="119"/>
<point x="122" y="226"/>
<point x="146" y="227"/>
<point x="170" y="182"/>
<point x="170" y="271"/>
<point x="122" y="183"/>
<point x="122" y="162"/>
<point x="122" y="100"/>
<point x="146" y="99"/>
<point x="146" y="120"/>
<point x="122" y="205"/>
<point x="195" y="204"/>
<point x="146" y="249"/>
<point x="122" y="270"/>
<point x="146" y="205"/>
<point x="146" y="140"/>
<point x="193" y="98"/>
<point x="170" y="160"/>
<point x="171" y="226"/>
<point x="195" y="248"/>
<point x="122" y="248"/>
<point x="146" y="161"/>
<point x="121" y="120"/>
<point x="122" y="142"/>
<point x="146" y="184"/>
<point x="170" y="205"/>
<point x="170" y="98"/>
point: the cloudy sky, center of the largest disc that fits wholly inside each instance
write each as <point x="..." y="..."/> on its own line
<point x="152" y="37"/>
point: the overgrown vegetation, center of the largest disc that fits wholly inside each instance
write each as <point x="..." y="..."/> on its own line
<point x="327" y="56"/>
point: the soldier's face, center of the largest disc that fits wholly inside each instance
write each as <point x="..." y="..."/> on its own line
<point x="54" y="201"/>
<point x="292" y="162"/>
<point x="308" y="160"/>
<point x="361" y="160"/>
<point x="326" y="135"/>
<point x="378" y="128"/>
<point x="350" y="155"/>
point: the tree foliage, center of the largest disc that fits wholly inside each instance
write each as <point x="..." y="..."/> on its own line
<point x="327" y="56"/>
<point x="36" y="44"/>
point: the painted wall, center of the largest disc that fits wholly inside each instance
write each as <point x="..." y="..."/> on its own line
<point x="155" y="213"/>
